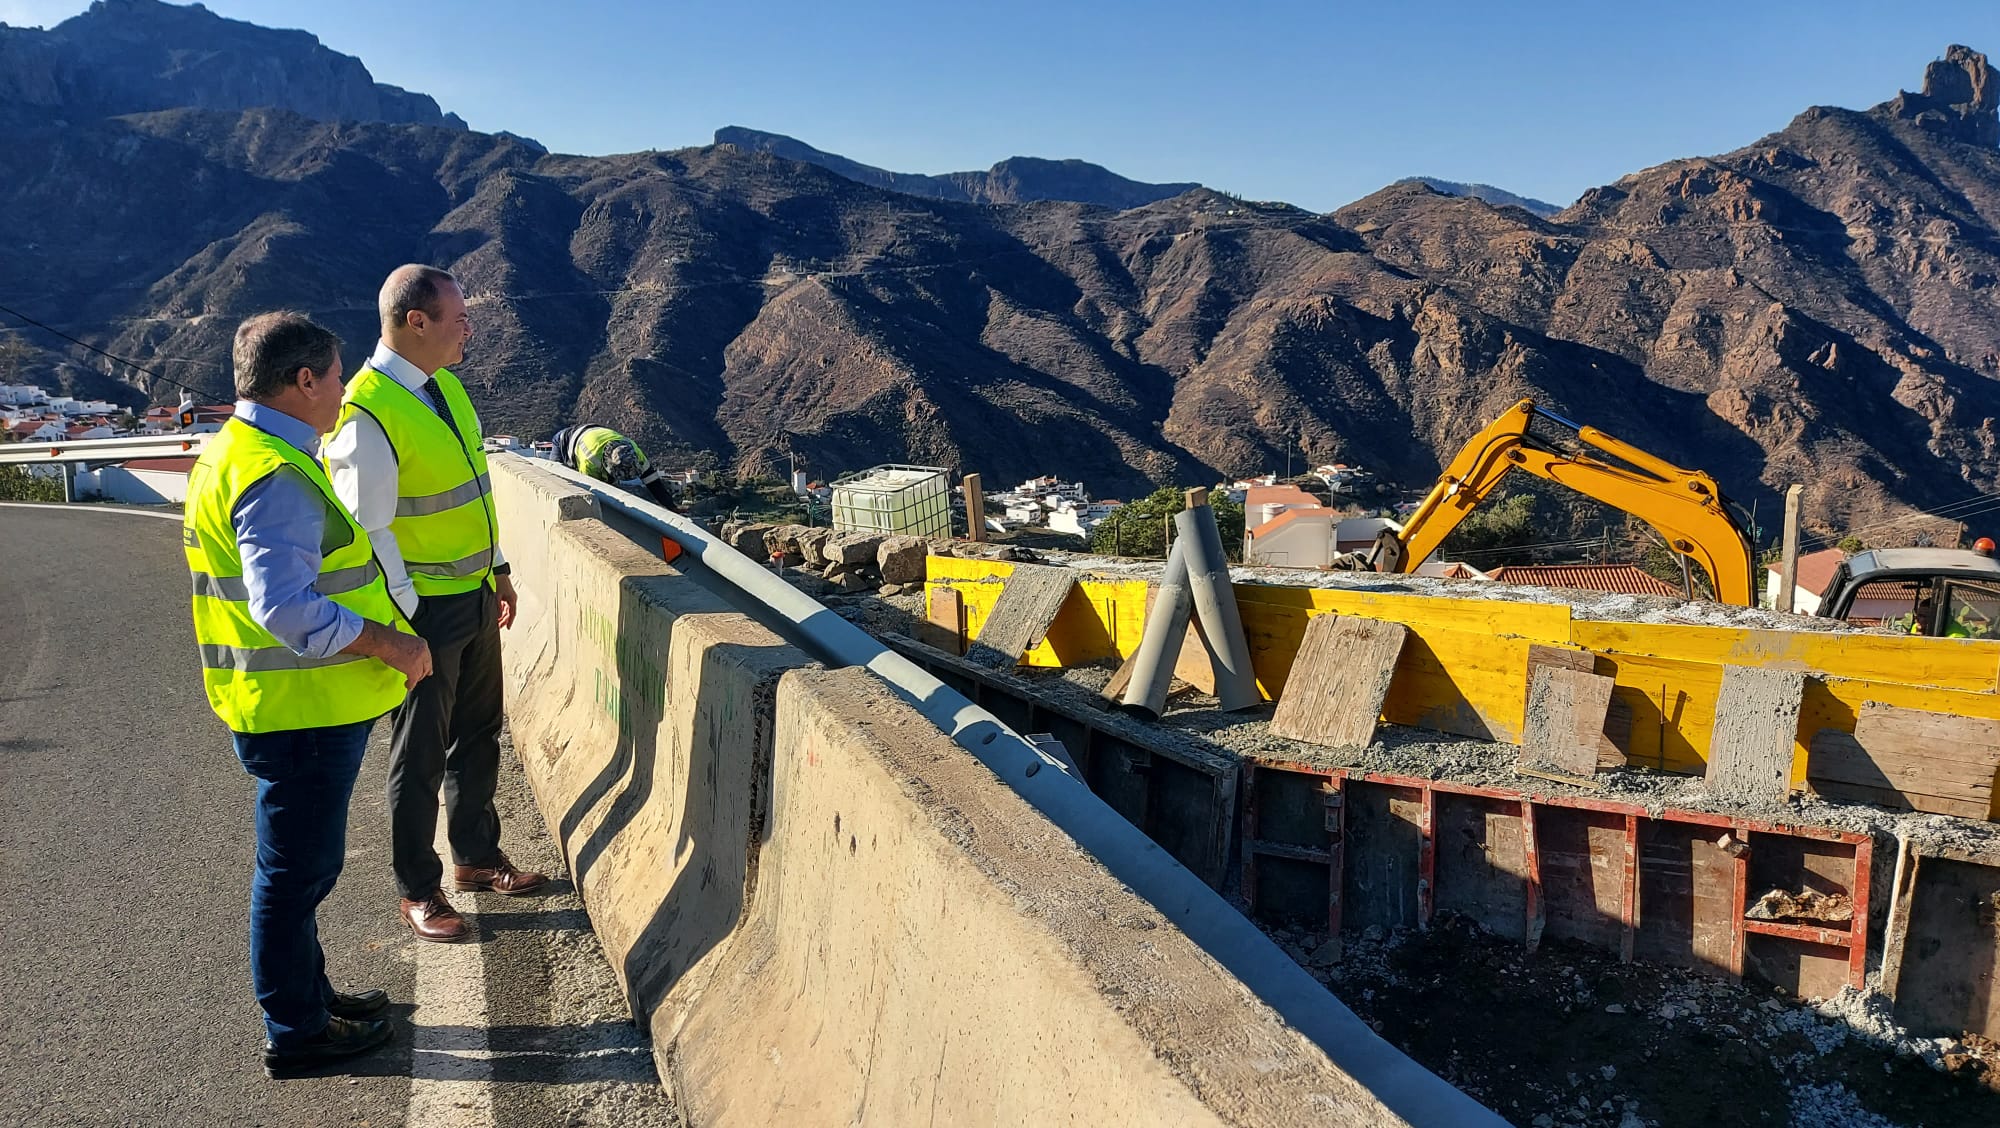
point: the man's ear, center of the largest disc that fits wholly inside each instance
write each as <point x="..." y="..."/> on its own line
<point x="304" y="376"/>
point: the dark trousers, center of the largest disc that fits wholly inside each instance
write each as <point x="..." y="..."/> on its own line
<point x="447" y="734"/>
<point x="304" y="780"/>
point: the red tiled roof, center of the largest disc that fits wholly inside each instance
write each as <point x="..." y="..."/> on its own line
<point x="1619" y="579"/>
<point x="1283" y="495"/>
<point x="1815" y="569"/>
<point x="1286" y="517"/>
<point x="182" y="465"/>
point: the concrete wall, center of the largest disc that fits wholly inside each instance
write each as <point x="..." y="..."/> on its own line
<point x="134" y="487"/>
<point x="827" y="912"/>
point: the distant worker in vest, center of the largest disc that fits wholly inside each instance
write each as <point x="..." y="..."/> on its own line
<point x="407" y="459"/>
<point x="608" y="456"/>
<point x="302" y="648"/>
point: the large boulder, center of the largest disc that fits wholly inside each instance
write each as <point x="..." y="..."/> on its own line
<point x="854" y="548"/>
<point x="812" y="546"/>
<point x="901" y="560"/>
<point x="747" y="538"/>
<point x="784" y="540"/>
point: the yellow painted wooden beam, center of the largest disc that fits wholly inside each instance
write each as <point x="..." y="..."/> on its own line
<point x="1464" y="668"/>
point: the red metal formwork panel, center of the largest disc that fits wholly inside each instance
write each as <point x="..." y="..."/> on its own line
<point x="1672" y="887"/>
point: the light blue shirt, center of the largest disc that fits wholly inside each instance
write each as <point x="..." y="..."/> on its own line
<point x="279" y="522"/>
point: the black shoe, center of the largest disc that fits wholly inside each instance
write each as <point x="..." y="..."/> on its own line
<point x="342" y="1038"/>
<point x="361" y="1004"/>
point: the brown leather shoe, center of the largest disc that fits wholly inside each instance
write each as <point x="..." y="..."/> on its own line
<point x="500" y="877"/>
<point x="435" y="920"/>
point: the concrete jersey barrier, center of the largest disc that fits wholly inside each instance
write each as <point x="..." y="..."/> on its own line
<point x="944" y="953"/>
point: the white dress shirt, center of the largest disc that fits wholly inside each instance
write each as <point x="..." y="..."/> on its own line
<point x="362" y="466"/>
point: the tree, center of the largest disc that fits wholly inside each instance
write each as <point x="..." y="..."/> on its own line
<point x="1495" y="533"/>
<point x="18" y="484"/>
<point x="1139" y="528"/>
<point x="1850" y="544"/>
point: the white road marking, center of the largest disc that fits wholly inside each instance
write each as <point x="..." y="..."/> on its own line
<point x="584" y="1063"/>
<point x="451" y="1064"/>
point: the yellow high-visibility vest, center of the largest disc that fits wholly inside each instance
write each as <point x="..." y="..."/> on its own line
<point x="590" y="447"/>
<point x="254" y="682"/>
<point x="444" y="523"/>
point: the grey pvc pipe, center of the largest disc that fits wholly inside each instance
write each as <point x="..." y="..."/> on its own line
<point x="1160" y="644"/>
<point x="1215" y="602"/>
<point x="1407" y="1088"/>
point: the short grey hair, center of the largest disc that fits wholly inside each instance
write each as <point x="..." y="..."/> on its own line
<point x="411" y="286"/>
<point x="271" y="347"/>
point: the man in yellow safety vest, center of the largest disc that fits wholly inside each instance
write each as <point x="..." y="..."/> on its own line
<point x="302" y="648"/>
<point x="608" y="456"/>
<point x="407" y="459"/>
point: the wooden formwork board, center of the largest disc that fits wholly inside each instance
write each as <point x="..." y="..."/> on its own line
<point x="1564" y="728"/>
<point x="1030" y="599"/>
<point x="1339" y="682"/>
<point x="1671" y="887"/>
<point x="944" y="620"/>
<point x="1617" y="729"/>
<point x="1910" y="759"/>
<point x="1756" y="726"/>
<point x="1941" y="954"/>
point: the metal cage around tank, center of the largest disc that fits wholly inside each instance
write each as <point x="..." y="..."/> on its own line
<point x="893" y="498"/>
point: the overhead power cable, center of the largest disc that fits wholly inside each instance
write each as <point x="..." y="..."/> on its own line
<point x="132" y="364"/>
<point x="1956" y="511"/>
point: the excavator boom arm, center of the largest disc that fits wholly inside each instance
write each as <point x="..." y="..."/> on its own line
<point x="1684" y="506"/>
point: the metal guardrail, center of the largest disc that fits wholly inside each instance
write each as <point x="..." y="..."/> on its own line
<point x="104" y="450"/>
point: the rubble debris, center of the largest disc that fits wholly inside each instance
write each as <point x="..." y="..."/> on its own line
<point x="1592" y="1041"/>
<point x="1807" y="906"/>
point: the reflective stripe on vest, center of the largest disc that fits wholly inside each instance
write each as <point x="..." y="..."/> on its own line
<point x="449" y="499"/>
<point x="450" y="569"/>
<point x="329" y="583"/>
<point x="260" y="658"/>
<point x="254" y="682"/>
<point x="444" y="523"/>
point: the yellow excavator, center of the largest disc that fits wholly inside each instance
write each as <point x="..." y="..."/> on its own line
<point x="1685" y="507"/>
<point x="1946" y="592"/>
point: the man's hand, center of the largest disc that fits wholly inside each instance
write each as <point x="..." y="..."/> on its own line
<point x="503" y="585"/>
<point x="408" y="655"/>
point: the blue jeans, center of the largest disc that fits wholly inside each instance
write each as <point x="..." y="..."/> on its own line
<point x="304" y="780"/>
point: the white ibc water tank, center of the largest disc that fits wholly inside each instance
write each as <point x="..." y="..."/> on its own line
<point x="907" y="500"/>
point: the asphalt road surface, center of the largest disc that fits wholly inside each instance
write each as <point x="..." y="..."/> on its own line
<point x="125" y="856"/>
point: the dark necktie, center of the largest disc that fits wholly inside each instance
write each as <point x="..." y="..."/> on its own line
<point x="438" y="405"/>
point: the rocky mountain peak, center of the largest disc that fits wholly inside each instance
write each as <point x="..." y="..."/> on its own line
<point x="137" y="56"/>
<point x="1960" y="99"/>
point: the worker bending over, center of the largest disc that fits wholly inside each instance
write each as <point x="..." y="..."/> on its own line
<point x="608" y="456"/>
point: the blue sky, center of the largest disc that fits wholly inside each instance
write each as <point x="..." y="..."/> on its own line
<point x="1316" y="104"/>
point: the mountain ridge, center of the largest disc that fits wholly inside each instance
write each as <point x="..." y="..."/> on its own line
<point x="1016" y="180"/>
<point x="1817" y="306"/>
<point x="1498" y="197"/>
